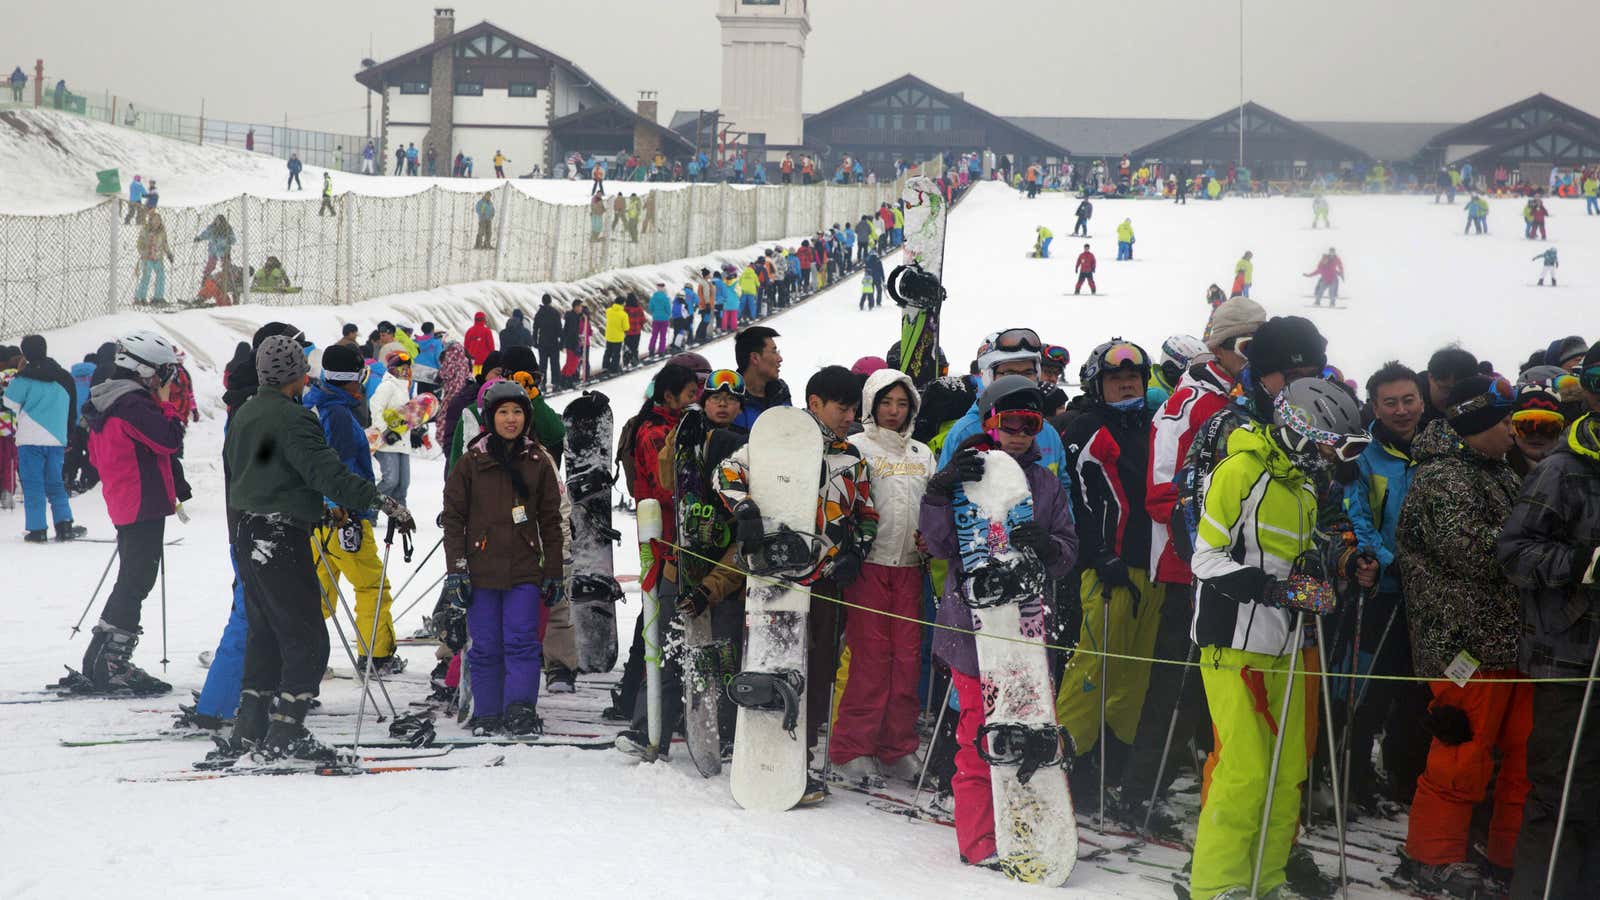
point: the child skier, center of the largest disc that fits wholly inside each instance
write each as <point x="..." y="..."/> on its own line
<point x="1085" y="269"/>
<point x="1244" y="274"/>
<point x="1011" y="411"/>
<point x="1041" y="243"/>
<point x="1550" y="266"/>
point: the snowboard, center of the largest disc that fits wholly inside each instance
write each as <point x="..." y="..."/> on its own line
<point x="415" y="414"/>
<point x="701" y="531"/>
<point x="593" y="591"/>
<point x="924" y="250"/>
<point x="769" y="747"/>
<point x="1035" y="832"/>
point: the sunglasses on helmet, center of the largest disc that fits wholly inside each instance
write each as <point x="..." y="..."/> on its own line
<point x="1015" y="421"/>
<point x="1500" y="395"/>
<point x="725" y="381"/>
<point x="1345" y="447"/>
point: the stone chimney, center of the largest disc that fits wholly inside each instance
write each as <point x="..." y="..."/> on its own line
<point x="442" y="93"/>
<point x="646" y="140"/>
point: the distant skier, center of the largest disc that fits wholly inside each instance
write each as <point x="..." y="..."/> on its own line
<point x="368" y="158"/>
<point x="1319" y="212"/>
<point x="484" y="209"/>
<point x="1244" y="274"/>
<point x="136" y="194"/>
<point x="1085" y="269"/>
<point x="18" y="80"/>
<point x="1041" y="243"/>
<point x="1550" y="266"/>
<point x="1084" y="212"/>
<point x="1329" y="271"/>
<point x="1536" y="216"/>
<point x="1215" y="297"/>
<point x="1477" y="215"/>
<point x="294" y="173"/>
<point x="1125" y="240"/>
<point x="500" y="161"/>
<point x="327" y="196"/>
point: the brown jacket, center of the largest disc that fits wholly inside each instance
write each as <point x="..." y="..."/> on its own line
<point x="720" y="581"/>
<point x="481" y="537"/>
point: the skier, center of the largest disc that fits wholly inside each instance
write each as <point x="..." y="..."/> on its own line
<point x="1108" y="451"/>
<point x="1262" y="487"/>
<point x="681" y="316"/>
<point x="368" y="159"/>
<point x="1085" y="210"/>
<point x="19" y="79"/>
<point x="875" y="727"/>
<point x="1010" y="415"/>
<point x="500" y="161"/>
<point x="1125" y="240"/>
<point x="1551" y="263"/>
<point x="219" y="240"/>
<point x="1477" y="215"/>
<point x="1329" y="272"/>
<point x="42" y="397"/>
<point x="874" y="277"/>
<point x="1461" y="606"/>
<point x="1041" y="243"/>
<point x="616" y="331"/>
<point x="136" y="194"/>
<point x="1536" y="216"/>
<point x="660" y="317"/>
<point x="425" y="365"/>
<point x="1319" y="211"/>
<point x="1014" y="351"/>
<point x="484" y="210"/>
<point x="1537" y="424"/>
<point x="1177" y="353"/>
<point x="294" y="173"/>
<point x="479" y="340"/>
<point x="279" y="469"/>
<point x="1085" y="269"/>
<point x="516" y="333"/>
<point x="1244" y="274"/>
<point x="547" y="328"/>
<point x="635" y="330"/>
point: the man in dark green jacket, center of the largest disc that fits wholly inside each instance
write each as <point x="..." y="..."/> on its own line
<point x="280" y="467"/>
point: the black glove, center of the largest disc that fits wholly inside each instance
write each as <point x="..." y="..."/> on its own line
<point x="551" y="591"/>
<point x="391" y="437"/>
<point x="846" y="567"/>
<point x="1034" y="537"/>
<point x="416" y="440"/>
<point x="1113" y="573"/>
<point x="966" y="465"/>
<point x="694" y="601"/>
<point x="747" y="522"/>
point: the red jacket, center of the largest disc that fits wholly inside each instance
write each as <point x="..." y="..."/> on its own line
<point x="636" y="319"/>
<point x="806" y="256"/>
<point x="886" y="216"/>
<point x="654" y="429"/>
<point x="478" y="341"/>
<point x="1329" y="267"/>
<point x="1193" y="402"/>
<point x="1085" y="263"/>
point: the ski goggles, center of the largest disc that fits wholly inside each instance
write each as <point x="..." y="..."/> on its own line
<point x="725" y="381"/>
<point x="1538" y="423"/>
<point x="1015" y="421"/>
<point x="1055" y="356"/>
<point x="1345" y="447"/>
<point x="1500" y="395"/>
<point x="398" y="359"/>
<point x="1590" y="379"/>
<point x="1012" y="340"/>
<point x="1123" y="354"/>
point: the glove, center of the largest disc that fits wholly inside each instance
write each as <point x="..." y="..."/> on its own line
<point x="551" y="591"/>
<point x="391" y="437"/>
<point x="1034" y="537"/>
<point x="747" y="522"/>
<point x="846" y="567"/>
<point x="457" y="591"/>
<point x="350" y="534"/>
<point x="416" y="440"/>
<point x="1114" y="574"/>
<point x="965" y="466"/>
<point x="397" y="513"/>
<point x="694" y="601"/>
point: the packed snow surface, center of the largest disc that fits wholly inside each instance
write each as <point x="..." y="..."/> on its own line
<point x="595" y="823"/>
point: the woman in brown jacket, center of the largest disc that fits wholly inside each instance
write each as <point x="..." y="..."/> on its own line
<point x="502" y="542"/>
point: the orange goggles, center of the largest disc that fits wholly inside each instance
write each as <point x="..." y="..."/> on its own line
<point x="1015" y="421"/>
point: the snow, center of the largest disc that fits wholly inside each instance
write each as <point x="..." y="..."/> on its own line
<point x="591" y="823"/>
<point x="1001" y="488"/>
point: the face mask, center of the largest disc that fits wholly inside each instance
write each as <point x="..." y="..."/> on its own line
<point x="1130" y="404"/>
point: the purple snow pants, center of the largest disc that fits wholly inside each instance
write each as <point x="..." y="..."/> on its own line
<point x="505" y="656"/>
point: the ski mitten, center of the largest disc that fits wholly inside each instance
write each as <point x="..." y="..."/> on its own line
<point x="1449" y="724"/>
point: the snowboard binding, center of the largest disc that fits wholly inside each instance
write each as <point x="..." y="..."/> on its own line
<point x="1029" y="748"/>
<point x="592" y="587"/>
<point x="415" y="730"/>
<point x="780" y="553"/>
<point x="783" y="690"/>
<point x="913" y="286"/>
<point x="996" y="582"/>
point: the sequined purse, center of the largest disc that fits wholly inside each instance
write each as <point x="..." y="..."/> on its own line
<point x="1307" y="589"/>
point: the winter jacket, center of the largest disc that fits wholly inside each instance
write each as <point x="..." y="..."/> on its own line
<point x="43" y="396"/>
<point x="479" y="340"/>
<point x="294" y="165"/>
<point x="712" y="535"/>
<point x="152" y="244"/>
<point x="1260" y="514"/>
<point x="340" y="415"/>
<point x="484" y="208"/>
<point x="727" y="297"/>
<point x="937" y="523"/>
<point x="428" y="350"/>
<point x="616" y="323"/>
<point x="1200" y="394"/>
<point x="1554" y="527"/>
<point x="900" y="467"/>
<point x="516" y="333"/>
<point x="749" y="283"/>
<point x="1374" y="499"/>
<point x="1108" y="450"/>
<point x="660" y="306"/>
<point x="777" y="395"/>
<point x="1085" y="264"/>
<point x="1125" y="231"/>
<point x="1329" y="268"/>
<point x="133" y="438"/>
<point x="846" y="516"/>
<point x="1457" y="596"/>
<point x="1084" y="211"/>
<point x="391" y="397"/>
<point x="136" y="192"/>
<point x="82" y="379"/>
<point x="875" y="268"/>
<point x="547" y="328"/>
<point x="572" y="331"/>
<point x="636" y="320"/>
<point x="278" y="462"/>
<point x="482" y="537"/>
<point x="807" y="257"/>
<point x="1051" y="453"/>
<point x="654" y="430"/>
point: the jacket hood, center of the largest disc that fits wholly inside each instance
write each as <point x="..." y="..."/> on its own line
<point x="1250" y="438"/>
<point x="105" y="395"/>
<point x="880" y="381"/>
<point x="480" y="318"/>
<point x="320" y="398"/>
<point x="1438" y="440"/>
<point x="1583" y="438"/>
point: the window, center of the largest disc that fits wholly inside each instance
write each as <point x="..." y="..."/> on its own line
<point x="760" y="2"/>
<point x="877" y="121"/>
<point x="756" y="139"/>
<point x="469" y="89"/>
<point x="897" y="122"/>
<point x="413" y="87"/>
<point x="920" y="122"/>
<point x="941" y="122"/>
<point x="522" y="89"/>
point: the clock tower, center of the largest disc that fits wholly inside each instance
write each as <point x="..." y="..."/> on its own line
<point x="763" y="59"/>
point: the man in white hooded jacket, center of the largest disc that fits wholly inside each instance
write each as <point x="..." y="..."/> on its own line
<point x="877" y="714"/>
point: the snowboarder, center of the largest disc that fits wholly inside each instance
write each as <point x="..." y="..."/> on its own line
<point x="1477" y="215"/>
<point x="294" y="173"/>
<point x="1329" y="272"/>
<point x="1041" y="243"/>
<point x="327" y="196"/>
<point x="1319" y="211"/>
<point x="1083" y="213"/>
<point x="1244" y="274"/>
<point x="1550" y="266"/>
<point x="1125" y="240"/>
<point x="1085" y="269"/>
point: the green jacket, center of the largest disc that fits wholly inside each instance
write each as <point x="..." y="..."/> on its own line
<point x="279" y="462"/>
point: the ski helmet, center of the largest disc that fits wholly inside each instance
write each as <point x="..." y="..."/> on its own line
<point x="506" y="392"/>
<point x="1178" y="353"/>
<point x="146" y="354"/>
<point x="1315" y="411"/>
<point x="1009" y="392"/>
<point x="1114" y="355"/>
<point x="1006" y="346"/>
<point x="1055" y="357"/>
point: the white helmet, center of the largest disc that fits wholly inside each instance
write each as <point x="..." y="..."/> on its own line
<point x="1006" y="346"/>
<point x="1181" y="351"/>
<point x="145" y="353"/>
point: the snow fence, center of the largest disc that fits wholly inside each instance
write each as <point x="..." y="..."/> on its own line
<point x="58" y="270"/>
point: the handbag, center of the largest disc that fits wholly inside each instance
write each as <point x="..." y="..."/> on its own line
<point x="1307" y="589"/>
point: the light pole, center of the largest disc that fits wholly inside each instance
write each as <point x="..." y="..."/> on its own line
<point x="1241" y="84"/>
<point x="367" y="64"/>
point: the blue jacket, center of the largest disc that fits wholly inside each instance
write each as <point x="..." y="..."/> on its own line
<point x="337" y="412"/>
<point x="428" y="350"/>
<point x="680" y="307"/>
<point x="875" y="268"/>
<point x="848" y="235"/>
<point x="660" y="306"/>
<point x="17" y="76"/>
<point x="375" y="370"/>
<point x="727" y="297"/>
<point x="136" y="192"/>
<point x="1051" y="454"/>
<point x="82" y="374"/>
<point x="42" y="409"/>
<point x="294" y="165"/>
<point x="794" y="265"/>
<point x="1373" y="502"/>
<point x="759" y="175"/>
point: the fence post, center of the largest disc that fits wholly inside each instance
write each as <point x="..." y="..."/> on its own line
<point x="347" y="250"/>
<point x="113" y="249"/>
<point x="244" y="245"/>
<point x="689" y="231"/>
<point x="433" y="223"/>
<point x="501" y="230"/>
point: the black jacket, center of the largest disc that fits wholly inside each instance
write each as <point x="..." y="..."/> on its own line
<point x="547" y="328"/>
<point x="570" y="324"/>
<point x="515" y="334"/>
<point x="1109" y="452"/>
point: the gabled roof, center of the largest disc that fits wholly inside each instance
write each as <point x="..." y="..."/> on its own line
<point x="1090" y="136"/>
<point x="1388" y="141"/>
<point x="372" y="78"/>
<point x="1472" y="132"/>
<point x="611" y="117"/>
<point x="1560" y="136"/>
<point x="955" y="101"/>
<point x="1232" y="116"/>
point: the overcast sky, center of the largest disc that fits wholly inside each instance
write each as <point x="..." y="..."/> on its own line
<point x="1383" y="60"/>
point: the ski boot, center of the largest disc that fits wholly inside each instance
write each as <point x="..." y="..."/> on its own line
<point x="1130" y="814"/>
<point x="522" y="720"/>
<point x="42" y="536"/>
<point x="1304" y="878"/>
<point x="1457" y="879"/>
<point x="108" y="664"/>
<point x="190" y="718"/>
<point x="288" y="743"/>
<point x="906" y="768"/>
<point x="66" y="531"/>
<point x="560" y="680"/>
<point x="249" y="727"/>
<point x="485" y="726"/>
<point x="859" y="770"/>
<point x="816" y="791"/>
<point x="382" y="666"/>
<point x="636" y="744"/>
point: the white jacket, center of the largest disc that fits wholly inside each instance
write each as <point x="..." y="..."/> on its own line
<point x="900" y="468"/>
<point x="392" y="393"/>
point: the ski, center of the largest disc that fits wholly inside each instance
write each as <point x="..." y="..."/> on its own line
<point x="111" y="540"/>
<point x="316" y="770"/>
<point x="580" y="742"/>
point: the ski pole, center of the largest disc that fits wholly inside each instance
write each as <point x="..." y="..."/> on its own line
<point x="1172" y="729"/>
<point x="1105" y="644"/>
<point x="327" y="607"/>
<point x="1277" y="753"/>
<point x="377" y="608"/>
<point x="1347" y="740"/>
<point x="98" y="585"/>
<point x="425" y="592"/>
<point x="1572" y="763"/>
<point x="649" y="527"/>
<point x="938" y="724"/>
<point x="163" y="564"/>
<point x="361" y="641"/>
<point x="1333" y="762"/>
<point x="436" y="545"/>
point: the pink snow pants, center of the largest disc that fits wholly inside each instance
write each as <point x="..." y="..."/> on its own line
<point x="973" y="793"/>
<point x="658" y="337"/>
<point x="730" y="320"/>
<point x="878" y="712"/>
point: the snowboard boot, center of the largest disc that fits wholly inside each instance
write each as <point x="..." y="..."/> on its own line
<point x="906" y="768"/>
<point x="485" y="726"/>
<point x="289" y="743"/>
<point x="191" y="719"/>
<point x="382" y="666"/>
<point x="436" y="679"/>
<point x="66" y="531"/>
<point x="109" y="666"/>
<point x="249" y="727"/>
<point x="1130" y="813"/>
<point x="859" y="770"/>
<point x="560" y="680"/>
<point x="1304" y="878"/>
<point x="617" y="711"/>
<point x="636" y="744"/>
<point x="816" y="792"/>
<point x="1457" y="879"/>
<point x="42" y="536"/>
<point x="522" y="719"/>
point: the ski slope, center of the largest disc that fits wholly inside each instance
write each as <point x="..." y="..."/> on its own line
<point x="594" y="823"/>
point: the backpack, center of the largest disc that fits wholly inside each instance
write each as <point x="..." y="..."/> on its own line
<point x="626" y="444"/>
<point x="1207" y="449"/>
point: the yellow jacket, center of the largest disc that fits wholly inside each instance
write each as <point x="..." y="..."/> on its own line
<point x="616" y="323"/>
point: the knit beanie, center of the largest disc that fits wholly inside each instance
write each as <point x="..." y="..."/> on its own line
<point x="1477" y="404"/>
<point x="1537" y="397"/>
<point x="1286" y="342"/>
<point x="342" y="364"/>
<point x="1233" y="318"/>
<point x="280" y="361"/>
<point x="34" y="348"/>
